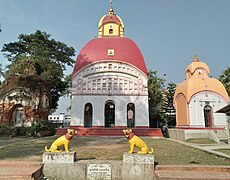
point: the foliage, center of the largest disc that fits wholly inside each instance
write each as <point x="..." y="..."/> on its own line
<point x="68" y="80"/>
<point x="169" y="110"/>
<point x="67" y="92"/>
<point x="51" y="58"/>
<point x="25" y="66"/>
<point x="225" y="79"/>
<point x="42" y="128"/>
<point x="21" y="131"/>
<point x="4" y="129"/>
<point x="155" y="87"/>
<point x="2" y="74"/>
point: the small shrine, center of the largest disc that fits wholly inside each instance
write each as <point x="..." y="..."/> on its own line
<point x="199" y="97"/>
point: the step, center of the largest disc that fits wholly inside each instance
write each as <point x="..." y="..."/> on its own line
<point x="192" y="175"/>
<point x="194" y="168"/>
<point x="192" y="172"/>
<point x="20" y="170"/>
<point x="100" y="131"/>
<point x="12" y="177"/>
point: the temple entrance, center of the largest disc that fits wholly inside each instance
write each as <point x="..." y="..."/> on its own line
<point x="208" y="116"/>
<point x="130" y="115"/>
<point x="109" y="114"/>
<point x="18" y="116"/>
<point x="88" y="115"/>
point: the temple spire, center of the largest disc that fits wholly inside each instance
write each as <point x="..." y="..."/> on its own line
<point x="195" y="58"/>
<point x="111" y="12"/>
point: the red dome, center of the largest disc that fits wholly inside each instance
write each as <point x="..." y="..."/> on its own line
<point x="111" y="18"/>
<point x="125" y="50"/>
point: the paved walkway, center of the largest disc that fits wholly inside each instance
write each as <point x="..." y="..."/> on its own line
<point x="211" y="148"/>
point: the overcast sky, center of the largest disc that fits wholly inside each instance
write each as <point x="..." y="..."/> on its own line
<point x="168" y="32"/>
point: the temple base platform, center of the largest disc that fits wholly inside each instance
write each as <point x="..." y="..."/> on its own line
<point x="114" y="131"/>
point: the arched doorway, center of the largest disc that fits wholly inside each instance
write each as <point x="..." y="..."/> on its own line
<point x="130" y="115"/>
<point x="109" y="114"/>
<point x="208" y="116"/>
<point x="18" y="116"/>
<point x="88" y="115"/>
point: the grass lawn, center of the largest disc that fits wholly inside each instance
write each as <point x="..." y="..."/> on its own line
<point x="111" y="148"/>
<point x="201" y="141"/>
<point x="226" y="151"/>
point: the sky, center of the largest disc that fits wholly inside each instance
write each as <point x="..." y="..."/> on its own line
<point x="168" y="32"/>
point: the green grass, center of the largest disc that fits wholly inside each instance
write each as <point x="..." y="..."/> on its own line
<point x="201" y="141"/>
<point x="110" y="148"/>
<point x="226" y="151"/>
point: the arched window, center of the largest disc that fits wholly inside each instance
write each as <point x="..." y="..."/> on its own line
<point x="208" y="116"/>
<point x="110" y="31"/>
<point x="199" y="72"/>
<point x="130" y="115"/>
<point x="109" y="114"/>
<point x="18" y="115"/>
<point x="88" y="115"/>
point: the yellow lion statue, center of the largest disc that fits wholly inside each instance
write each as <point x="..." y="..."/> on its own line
<point x="135" y="141"/>
<point x="62" y="141"/>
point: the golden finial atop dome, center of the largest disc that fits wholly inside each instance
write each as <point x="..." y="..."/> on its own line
<point x="111" y="12"/>
<point x="110" y="24"/>
<point x="195" y="58"/>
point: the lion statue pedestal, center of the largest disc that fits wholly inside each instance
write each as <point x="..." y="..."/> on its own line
<point x="138" y="158"/>
<point x="138" y="166"/>
<point x="63" y="157"/>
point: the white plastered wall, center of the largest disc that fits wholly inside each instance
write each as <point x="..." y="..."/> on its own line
<point x="116" y="81"/>
<point x="98" y="104"/>
<point x="196" y="109"/>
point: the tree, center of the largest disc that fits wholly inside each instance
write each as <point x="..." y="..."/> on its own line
<point x="2" y="75"/>
<point x="68" y="80"/>
<point x="68" y="92"/>
<point x="51" y="57"/>
<point x="225" y="79"/>
<point x="169" y="110"/>
<point x="155" y="87"/>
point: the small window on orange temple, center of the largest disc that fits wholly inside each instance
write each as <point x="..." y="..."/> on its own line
<point x="199" y="72"/>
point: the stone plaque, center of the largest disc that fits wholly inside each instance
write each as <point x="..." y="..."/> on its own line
<point x="99" y="171"/>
